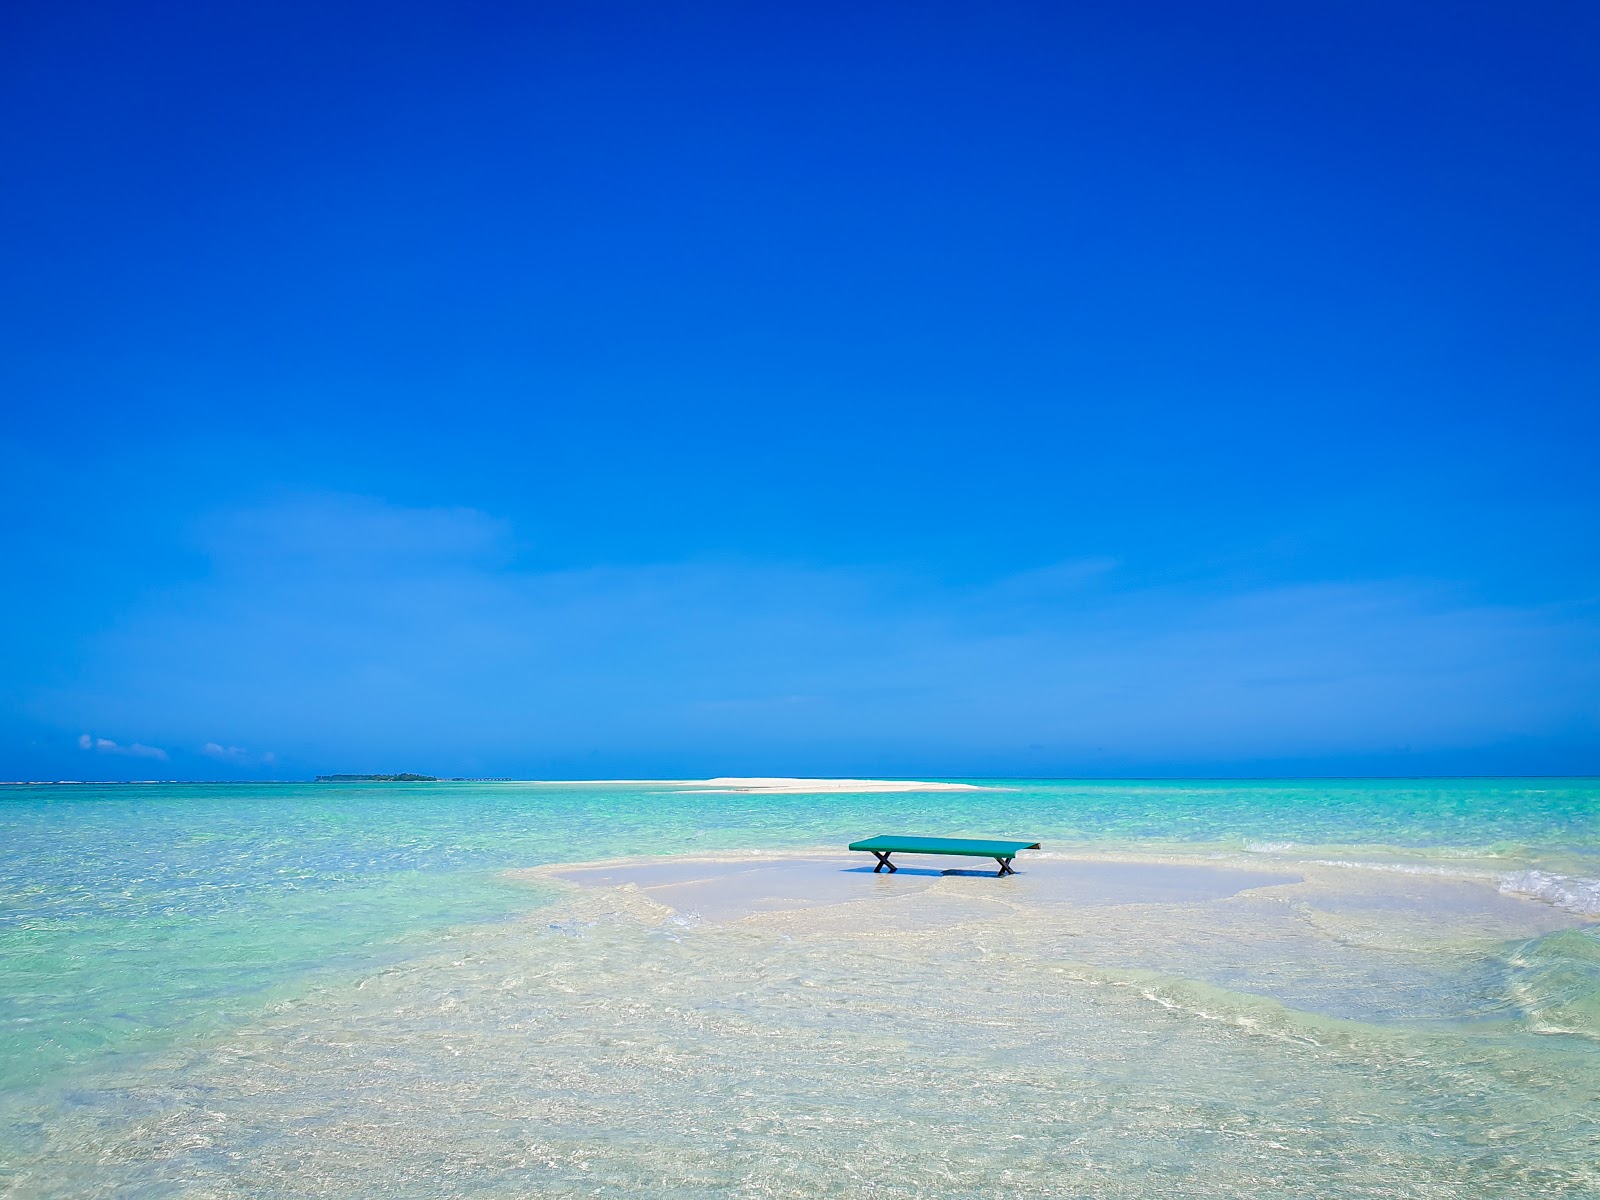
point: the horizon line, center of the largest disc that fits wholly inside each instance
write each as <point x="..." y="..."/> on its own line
<point x="796" y="778"/>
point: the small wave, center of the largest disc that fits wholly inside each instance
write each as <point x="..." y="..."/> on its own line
<point x="1555" y="980"/>
<point x="1259" y="1015"/>
<point x="1570" y="892"/>
<point x="1398" y="868"/>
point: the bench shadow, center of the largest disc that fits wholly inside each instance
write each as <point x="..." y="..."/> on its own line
<point x="979" y="874"/>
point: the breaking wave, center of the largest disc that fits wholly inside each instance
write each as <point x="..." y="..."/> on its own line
<point x="1573" y="893"/>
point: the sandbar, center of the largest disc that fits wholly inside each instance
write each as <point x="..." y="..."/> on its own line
<point x="783" y="785"/>
<point x="729" y="888"/>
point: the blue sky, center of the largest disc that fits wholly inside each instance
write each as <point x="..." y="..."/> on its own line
<point x="588" y="390"/>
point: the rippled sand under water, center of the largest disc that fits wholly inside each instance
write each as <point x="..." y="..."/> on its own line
<point x="795" y="1025"/>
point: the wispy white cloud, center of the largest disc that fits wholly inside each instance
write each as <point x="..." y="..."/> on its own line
<point x="344" y="627"/>
<point x="102" y="745"/>
<point x="343" y="533"/>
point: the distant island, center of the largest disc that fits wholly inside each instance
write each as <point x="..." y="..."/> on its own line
<point x="402" y="778"/>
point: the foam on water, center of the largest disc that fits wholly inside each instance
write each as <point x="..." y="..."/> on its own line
<point x="1564" y="891"/>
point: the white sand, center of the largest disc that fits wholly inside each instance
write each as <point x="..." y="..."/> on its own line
<point x="728" y="888"/>
<point x="778" y="784"/>
<point x="782" y="785"/>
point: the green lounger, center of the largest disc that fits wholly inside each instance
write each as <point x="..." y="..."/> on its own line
<point x="1001" y="851"/>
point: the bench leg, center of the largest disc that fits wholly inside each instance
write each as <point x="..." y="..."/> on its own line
<point x="883" y="861"/>
<point x="1005" y="868"/>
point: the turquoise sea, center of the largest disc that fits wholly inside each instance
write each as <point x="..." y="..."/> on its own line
<point x="326" y="989"/>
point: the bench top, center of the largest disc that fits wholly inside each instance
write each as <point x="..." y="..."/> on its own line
<point x="981" y="847"/>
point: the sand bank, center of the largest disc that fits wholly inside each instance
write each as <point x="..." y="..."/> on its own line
<point x="783" y="785"/>
<point x="1127" y="907"/>
<point x="724" y="888"/>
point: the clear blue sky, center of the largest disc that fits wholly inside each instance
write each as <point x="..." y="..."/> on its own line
<point x="608" y="389"/>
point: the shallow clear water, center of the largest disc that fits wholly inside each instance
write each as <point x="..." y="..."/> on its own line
<point x="337" y="990"/>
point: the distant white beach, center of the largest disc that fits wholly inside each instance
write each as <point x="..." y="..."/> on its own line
<point x="784" y="785"/>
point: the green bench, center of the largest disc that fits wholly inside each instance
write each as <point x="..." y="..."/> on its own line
<point x="1001" y="851"/>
